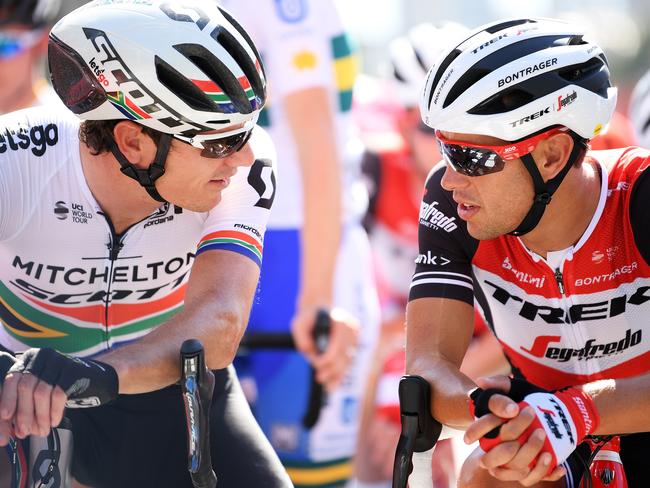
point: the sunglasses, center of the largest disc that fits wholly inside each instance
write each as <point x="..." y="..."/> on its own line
<point x="218" y="147"/>
<point x="482" y="159"/>
<point x="12" y="43"/>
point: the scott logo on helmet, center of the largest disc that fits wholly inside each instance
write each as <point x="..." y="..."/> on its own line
<point x="153" y="107"/>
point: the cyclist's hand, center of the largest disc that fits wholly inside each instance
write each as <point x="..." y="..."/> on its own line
<point x="6" y="429"/>
<point x="43" y="382"/>
<point x="332" y="364"/>
<point x="530" y="446"/>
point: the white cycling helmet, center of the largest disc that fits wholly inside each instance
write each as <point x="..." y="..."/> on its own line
<point x="513" y="78"/>
<point x="640" y="111"/>
<point x="412" y="55"/>
<point x="179" y="67"/>
<point x="517" y="78"/>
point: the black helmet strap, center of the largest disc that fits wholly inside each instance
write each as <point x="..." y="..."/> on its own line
<point x="146" y="177"/>
<point x="544" y="190"/>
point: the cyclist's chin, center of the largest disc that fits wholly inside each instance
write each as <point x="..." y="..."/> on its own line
<point x="484" y="231"/>
<point x="204" y="204"/>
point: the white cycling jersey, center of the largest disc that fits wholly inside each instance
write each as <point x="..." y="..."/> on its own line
<point x="303" y="45"/>
<point x="67" y="280"/>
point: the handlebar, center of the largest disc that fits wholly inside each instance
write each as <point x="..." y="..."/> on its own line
<point x="197" y="385"/>
<point x="420" y="431"/>
<point x="284" y="340"/>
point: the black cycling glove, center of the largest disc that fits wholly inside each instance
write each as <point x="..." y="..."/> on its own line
<point x="86" y="382"/>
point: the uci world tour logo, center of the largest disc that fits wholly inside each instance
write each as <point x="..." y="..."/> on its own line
<point x="60" y="210"/>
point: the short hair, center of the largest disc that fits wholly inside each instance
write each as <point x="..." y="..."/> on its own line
<point x="98" y="134"/>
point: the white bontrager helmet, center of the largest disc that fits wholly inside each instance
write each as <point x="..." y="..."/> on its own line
<point x="179" y="67"/>
<point x="514" y="78"/>
<point x="640" y="111"/>
<point x="412" y="55"/>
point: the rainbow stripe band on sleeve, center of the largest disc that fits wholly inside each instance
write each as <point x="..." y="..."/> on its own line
<point x="232" y="241"/>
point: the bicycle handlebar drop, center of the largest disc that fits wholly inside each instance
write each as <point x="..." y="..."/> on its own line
<point x="420" y="431"/>
<point x="197" y="385"/>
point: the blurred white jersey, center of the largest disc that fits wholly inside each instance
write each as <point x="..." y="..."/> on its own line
<point x="303" y="45"/>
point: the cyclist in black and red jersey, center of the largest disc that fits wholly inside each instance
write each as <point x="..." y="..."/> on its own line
<point x="549" y="239"/>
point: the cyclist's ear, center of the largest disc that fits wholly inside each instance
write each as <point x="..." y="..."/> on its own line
<point x="135" y="145"/>
<point x="554" y="153"/>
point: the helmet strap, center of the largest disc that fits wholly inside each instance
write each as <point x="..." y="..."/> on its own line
<point x="146" y="177"/>
<point x="544" y="191"/>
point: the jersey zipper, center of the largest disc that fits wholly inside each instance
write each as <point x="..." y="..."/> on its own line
<point x="115" y="245"/>
<point x="559" y="279"/>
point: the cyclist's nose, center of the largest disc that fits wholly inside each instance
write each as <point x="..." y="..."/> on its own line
<point x="452" y="180"/>
<point x="243" y="157"/>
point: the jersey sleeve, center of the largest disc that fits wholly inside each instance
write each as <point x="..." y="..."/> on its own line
<point x="640" y="213"/>
<point x="33" y="145"/>
<point x="303" y="45"/>
<point x="239" y="221"/>
<point x="443" y="267"/>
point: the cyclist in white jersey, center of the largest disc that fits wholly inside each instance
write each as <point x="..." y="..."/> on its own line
<point x="125" y="234"/>
<point x="551" y="241"/>
<point x="24" y="25"/>
<point x="317" y="253"/>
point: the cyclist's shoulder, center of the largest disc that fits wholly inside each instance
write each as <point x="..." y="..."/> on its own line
<point x="623" y="163"/>
<point x="38" y="135"/>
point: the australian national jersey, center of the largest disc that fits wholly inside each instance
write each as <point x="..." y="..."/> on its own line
<point x="303" y="45"/>
<point x="579" y="315"/>
<point x="67" y="280"/>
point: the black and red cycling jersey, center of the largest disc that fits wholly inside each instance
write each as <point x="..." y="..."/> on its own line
<point x="578" y="315"/>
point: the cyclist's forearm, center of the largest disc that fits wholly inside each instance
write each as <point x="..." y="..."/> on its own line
<point x="437" y="335"/>
<point x="622" y="404"/>
<point x="217" y="304"/>
<point x="311" y="123"/>
<point x="152" y="362"/>
<point x="449" y="388"/>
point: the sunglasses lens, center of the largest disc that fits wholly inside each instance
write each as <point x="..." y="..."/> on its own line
<point x="224" y="147"/>
<point x="10" y="46"/>
<point x="471" y="161"/>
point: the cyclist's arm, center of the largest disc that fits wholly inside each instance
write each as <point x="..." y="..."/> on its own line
<point x="217" y="304"/>
<point x="622" y="404"/>
<point x="312" y="124"/>
<point x="437" y="335"/>
<point x="440" y="314"/>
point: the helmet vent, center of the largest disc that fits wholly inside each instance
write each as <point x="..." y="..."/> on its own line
<point x="496" y="60"/>
<point x="245" y="35"/>
<point x="501" y="102"/>
<point x="183" y="88"/>
<point x="504" y="25"/>
<point x="234" y="48"/>
<point x="397" y="75"/>
<point x="441" y="69"/>
<point x="219" y="73"/>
